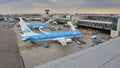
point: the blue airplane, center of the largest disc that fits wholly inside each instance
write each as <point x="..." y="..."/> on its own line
<point x="10" y="20"/>
<point x="35" y="25"/>
<point x="28" y="34"/>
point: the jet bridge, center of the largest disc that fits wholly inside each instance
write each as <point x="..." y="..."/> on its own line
<point x="95" y="24"/>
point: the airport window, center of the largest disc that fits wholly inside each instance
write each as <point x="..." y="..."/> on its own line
<point x="114" y="23"/>
<point x="95" y="24"/>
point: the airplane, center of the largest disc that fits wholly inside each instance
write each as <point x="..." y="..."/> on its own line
<point x="28" y="34"/>
<point x="10" y="20"/>
<point x="36" y="25"/>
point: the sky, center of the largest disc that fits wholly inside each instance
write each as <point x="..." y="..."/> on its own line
<point x="59" y="6"/>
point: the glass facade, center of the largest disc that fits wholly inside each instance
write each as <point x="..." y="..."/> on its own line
<point x="114" y="23"/>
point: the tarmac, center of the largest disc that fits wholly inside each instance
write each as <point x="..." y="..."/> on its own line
<point x="9" y="52"/>
<point x="36" y="54"/>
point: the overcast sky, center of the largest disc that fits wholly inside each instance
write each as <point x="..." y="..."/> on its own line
<point x="31" y="5"/>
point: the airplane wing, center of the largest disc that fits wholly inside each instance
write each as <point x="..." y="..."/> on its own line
<point x="105" y="55"/>
<point x="62" y="41"/>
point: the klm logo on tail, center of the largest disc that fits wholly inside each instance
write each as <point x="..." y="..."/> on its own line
<point x="26" y="31"/>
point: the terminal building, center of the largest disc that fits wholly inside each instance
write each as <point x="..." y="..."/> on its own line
<point x="110" y="23"/>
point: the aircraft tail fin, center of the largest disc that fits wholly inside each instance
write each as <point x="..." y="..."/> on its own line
<point x="50" y="21"/>
<point x="24" y="28"/>
<point x="5" y="18"/>
<point x="72" y="28"/>
<point x="26" y="31"/>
